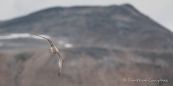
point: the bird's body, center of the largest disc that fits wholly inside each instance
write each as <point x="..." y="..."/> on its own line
<point x="54" y="50"/>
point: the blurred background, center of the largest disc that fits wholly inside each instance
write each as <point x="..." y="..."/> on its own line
<point x="102" y="42"/>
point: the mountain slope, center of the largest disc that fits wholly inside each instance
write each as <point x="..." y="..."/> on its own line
<point x="86" y="66"/>
<point x="111" y="26"/>
<point x="109" y="44"/>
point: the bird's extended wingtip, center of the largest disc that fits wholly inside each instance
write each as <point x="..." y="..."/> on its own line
<point x="59" y="73"/>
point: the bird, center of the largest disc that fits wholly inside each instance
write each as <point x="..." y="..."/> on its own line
<point x="54" y="50"/>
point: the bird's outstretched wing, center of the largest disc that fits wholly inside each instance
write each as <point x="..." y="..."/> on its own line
<point x="61" y="60"/>
<point x="50" y="42"/>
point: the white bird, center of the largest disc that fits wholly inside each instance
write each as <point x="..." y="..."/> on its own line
<point x="54" y="50"/>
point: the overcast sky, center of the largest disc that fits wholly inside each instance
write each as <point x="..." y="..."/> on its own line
<point x="159" y="10"/>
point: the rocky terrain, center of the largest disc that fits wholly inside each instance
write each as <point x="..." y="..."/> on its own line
<point x="101" y="47"/>
<point x="86" y="67"/>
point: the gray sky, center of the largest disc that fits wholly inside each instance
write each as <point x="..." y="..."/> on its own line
<point x="159" y="10"/>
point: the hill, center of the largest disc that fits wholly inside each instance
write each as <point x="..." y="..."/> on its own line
<point x="111" y="26"/>
<point x="102" y="46"/>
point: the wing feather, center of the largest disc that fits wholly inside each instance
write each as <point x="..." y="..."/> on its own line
<point x="61" y="59"/>
<point x="50" y="42"/>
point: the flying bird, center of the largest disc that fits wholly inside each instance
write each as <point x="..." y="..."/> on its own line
<point x="54" y="50"/>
